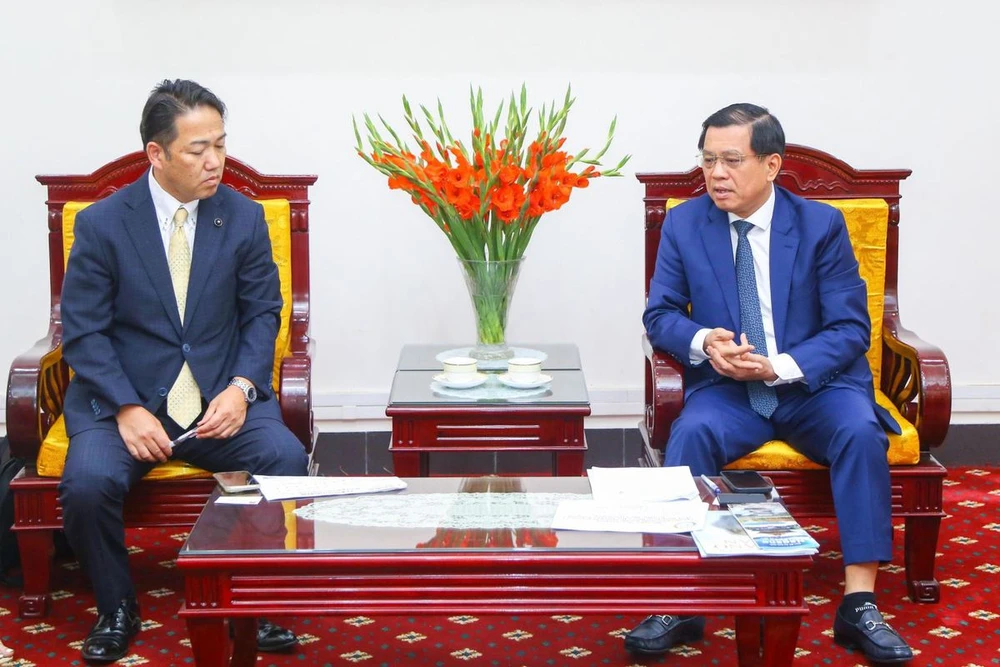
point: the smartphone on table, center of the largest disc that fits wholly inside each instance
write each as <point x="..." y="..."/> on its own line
<point x="238" y="481"/>
<point x="746" y="481"/>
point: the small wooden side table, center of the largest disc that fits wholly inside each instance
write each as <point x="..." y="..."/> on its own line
<point x="425" y="421"/>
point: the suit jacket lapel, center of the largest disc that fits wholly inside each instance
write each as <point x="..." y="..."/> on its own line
<point x="207" y="240"/>
<point x="144" y="230"/>
<point x="784" y="245"/>
<point x="719" y="247"/>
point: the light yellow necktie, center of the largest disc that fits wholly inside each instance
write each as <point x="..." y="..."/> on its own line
<point x="184" y="399"/>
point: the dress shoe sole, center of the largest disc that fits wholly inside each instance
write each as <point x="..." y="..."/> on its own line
<point x="104" y="660"/>
<point x="847" y="642"/>
<point x="682" y="638"/>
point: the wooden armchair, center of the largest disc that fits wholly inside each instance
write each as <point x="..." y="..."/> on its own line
<point x="911" y="376"/>
<point x="172" y="494"/>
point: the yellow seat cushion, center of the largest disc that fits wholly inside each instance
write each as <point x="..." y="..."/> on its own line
<point x="867" y="223"/>
<point x="904" y="449"/>
<point x="277" y="214"/>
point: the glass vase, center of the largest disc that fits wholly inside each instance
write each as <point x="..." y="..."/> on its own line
<point x="491" y="287"/>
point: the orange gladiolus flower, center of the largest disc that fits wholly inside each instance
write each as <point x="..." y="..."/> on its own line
<point x="507" y="201"/>
<point x="492" y="186"/>
<point x="400" y="183"/>
<point x="553" y="159"/>
<point x="508" y="174"/>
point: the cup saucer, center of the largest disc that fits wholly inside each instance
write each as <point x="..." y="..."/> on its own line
<point x="518" y="383"/>
<point x="473" y="380"/>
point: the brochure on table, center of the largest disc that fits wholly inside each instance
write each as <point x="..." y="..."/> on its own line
<point x="774" y="533"/>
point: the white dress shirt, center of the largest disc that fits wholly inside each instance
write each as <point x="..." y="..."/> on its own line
<point x="166" y="206"/>
<point x="759" y="238"/>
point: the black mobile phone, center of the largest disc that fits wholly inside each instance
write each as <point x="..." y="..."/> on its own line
<point x="746" y="481"/>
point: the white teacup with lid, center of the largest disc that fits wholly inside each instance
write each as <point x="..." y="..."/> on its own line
<point x="460" y="368"/>
<point x="524" y="369"/>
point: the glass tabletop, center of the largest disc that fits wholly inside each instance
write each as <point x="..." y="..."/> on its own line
<point x="560" y="356"/>
<point x="420" y="388"/>
<point x="432" y="513"/>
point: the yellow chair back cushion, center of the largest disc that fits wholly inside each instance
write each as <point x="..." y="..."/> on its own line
<point x="277" y="214"/>
<point x="867" y="224"/>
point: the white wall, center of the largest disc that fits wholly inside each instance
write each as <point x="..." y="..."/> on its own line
<point x="879" y="83"/>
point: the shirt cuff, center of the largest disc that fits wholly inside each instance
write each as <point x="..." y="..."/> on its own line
<point x="786" y="369"/>
<point x="697" y="353"/>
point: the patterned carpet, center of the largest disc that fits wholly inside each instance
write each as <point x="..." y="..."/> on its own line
<point x="962" y="631"/>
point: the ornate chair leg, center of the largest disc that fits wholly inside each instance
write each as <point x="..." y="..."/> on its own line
<point x="36" y="568"/>
<point x="920" y="546"/>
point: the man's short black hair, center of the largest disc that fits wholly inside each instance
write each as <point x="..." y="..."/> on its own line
<point x="169" y="100"/>
<point x="766" y="135"/>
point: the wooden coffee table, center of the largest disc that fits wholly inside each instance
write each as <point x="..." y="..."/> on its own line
<point x="243" y="562"/>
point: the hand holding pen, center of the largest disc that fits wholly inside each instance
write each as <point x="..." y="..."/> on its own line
<point x="184" y="436"/>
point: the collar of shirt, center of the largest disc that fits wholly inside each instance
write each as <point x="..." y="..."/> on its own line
<point x="760" y="218"/>
<point x="166" y="206"/>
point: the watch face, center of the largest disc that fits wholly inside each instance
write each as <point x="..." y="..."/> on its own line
<point x="251" y="394"/>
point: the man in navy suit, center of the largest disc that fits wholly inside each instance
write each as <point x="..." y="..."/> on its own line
<point x="773" y="347"/>
<point x="170" y="310"/>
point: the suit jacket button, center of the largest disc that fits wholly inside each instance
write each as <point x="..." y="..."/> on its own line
<point x="186" y="347"/>
<point x="162" y="391"/>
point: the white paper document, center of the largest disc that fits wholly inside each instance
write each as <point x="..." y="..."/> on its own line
<point x="630" y="517"/>
<point x="642" y="484"/>
<point x="241" y="499"/>
<point x="282" y="488"/>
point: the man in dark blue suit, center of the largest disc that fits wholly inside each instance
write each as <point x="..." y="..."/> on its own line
<point x="170" y="310"/>
<point x="773" y="347"/>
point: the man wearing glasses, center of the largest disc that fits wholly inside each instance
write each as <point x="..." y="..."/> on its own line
<point x="773" y="348"/>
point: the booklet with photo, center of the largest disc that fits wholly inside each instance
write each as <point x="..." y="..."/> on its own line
<point x="773" y="529"/>
<point x="723" y="535"/>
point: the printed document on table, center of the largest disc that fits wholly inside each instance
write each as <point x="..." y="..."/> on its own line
<point x="282" y="488"/>
<point x="723" y="535"/>
<point x="642" y="484"/>
<point x="630" y="517"/>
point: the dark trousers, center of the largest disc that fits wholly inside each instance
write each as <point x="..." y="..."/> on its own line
<point x="835" y="427"/>
<point x="100" y="471"/>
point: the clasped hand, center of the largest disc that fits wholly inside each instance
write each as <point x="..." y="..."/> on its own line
<point x="736" y="360"/>
<point x="147" y="441"/>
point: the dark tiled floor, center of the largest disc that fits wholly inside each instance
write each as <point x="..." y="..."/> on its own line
<point x="368" y="453"/>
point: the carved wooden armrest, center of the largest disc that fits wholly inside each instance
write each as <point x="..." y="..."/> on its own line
<point x="36" y="386"/>
<point x="295" y="385"/>
<point x="916" y="379"/>
<point x="664" y="393"/>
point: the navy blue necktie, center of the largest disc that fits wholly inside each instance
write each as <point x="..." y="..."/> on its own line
<point x="763" y="399"/>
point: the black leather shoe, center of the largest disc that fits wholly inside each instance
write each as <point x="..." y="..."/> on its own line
<point x="658" y="633"/>
<point x="271" y="637"/>
<point x="108" y="640"/>
<point x="872" y="635"/>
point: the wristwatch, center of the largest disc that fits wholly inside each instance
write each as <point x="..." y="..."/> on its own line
<point x="249" y="391"/>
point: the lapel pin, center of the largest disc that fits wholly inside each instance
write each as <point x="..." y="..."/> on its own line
<point x="218" y="222"/>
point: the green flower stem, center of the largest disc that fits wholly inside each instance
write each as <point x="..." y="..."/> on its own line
<point x="491" y="285"/>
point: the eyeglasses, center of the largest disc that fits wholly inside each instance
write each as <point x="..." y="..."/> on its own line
<point x="731" y="160"/>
